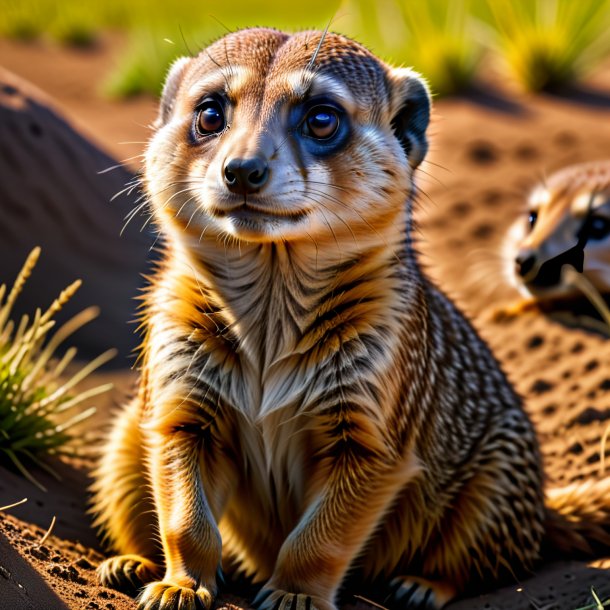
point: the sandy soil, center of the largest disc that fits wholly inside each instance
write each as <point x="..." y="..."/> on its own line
<point x="487" y="150"/>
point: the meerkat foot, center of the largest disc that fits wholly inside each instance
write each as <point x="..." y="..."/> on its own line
<point x="128" y="573"/>
<point x="276" y="599"/>
<point x="164" y="595"/>
<point x="417" y="594"/>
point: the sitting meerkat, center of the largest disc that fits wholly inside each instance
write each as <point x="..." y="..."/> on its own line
<point x="568" y="225"/>
<point x="312" y="409"/>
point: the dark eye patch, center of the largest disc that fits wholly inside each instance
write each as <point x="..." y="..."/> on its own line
<point x="321" y="125"/>
<point x="598" y="227"/>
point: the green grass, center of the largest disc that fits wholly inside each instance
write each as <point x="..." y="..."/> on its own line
<point x="545" y="44"/>
<point x="144" y="66"/>
<point x="77" y="28"/>
<point x="433" y="36"/>
<point x="548" y="44"/>
<point x="38" y="411"/>
<point x="22" y="20"/>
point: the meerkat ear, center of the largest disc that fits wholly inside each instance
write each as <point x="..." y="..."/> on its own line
<point x="170" y="89"/>
<point x="410" y="108"/>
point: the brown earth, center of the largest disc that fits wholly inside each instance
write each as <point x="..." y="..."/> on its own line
<point x="487" y="150"/>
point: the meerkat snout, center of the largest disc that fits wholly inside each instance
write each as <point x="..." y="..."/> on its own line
<point x="525" y="261"/>
<point x="548" y="274"/>
<point x="246" y="176"/>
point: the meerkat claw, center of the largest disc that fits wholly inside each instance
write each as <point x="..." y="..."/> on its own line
<point x="275" y="599"/>
<point x="170" y="596"/>
<point x="127" y="573"/>
<point x="417" y="594"/>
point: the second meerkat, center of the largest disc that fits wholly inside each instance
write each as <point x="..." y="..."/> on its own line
<point x="311" y="406"/>
<point x="568" y="223"/>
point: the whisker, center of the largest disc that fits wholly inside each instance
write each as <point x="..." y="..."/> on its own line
<point x="180" y="192"/>
<point x="129" y="188"/>
<point x="192" y="216"/>
<point x="329" y="184"/>
<point x="364" y="220"/>
<point x="312" y="61"/>
<point x="219" y="66"/>
<point x="166" y="203"/>
<point x="186" y="44"/>
<point x="133" y="214"/>
<point x="186" y="201"/>
<point x="157" y="236"/>
<point x="119" y="164"/>
<point x="443" y="167"/>
<point x="330" y="228"/>
<point x="309" y="196"/>
<point x="205" y="228"/>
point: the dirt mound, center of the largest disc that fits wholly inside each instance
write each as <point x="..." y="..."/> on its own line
<point x="53" y="195"/>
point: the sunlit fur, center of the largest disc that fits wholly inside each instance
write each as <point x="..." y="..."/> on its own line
<point x="562" y="203"/>
<point x="310" y="403"/>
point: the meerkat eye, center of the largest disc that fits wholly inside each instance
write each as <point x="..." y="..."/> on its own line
<point x="321" y="123"/>
<point x="599" y="227"/>
<point x="210" y="118"/>
<point x="533" y="217"/>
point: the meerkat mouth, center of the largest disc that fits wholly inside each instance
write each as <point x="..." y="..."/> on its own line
<point x="246" y="212"/>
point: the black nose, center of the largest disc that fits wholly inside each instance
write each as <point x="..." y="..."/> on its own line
<point x="245" y="176"/>
<point x="525" y="263"/>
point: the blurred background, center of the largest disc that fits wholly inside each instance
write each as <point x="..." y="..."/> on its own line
<point x="542" y="44"/>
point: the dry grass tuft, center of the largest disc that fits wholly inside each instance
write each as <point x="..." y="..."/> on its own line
<point x="39" y="410"/>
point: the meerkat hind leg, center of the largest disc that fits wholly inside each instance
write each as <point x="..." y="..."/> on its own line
<point x="414" y="593"/>
<point x="128" y="573"/>
<point x="124" y="507"/>
<point x="277" y="599"/>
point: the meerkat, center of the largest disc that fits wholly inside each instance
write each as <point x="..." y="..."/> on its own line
<point x="567" y="225"/>
<point x="312" y="409"/>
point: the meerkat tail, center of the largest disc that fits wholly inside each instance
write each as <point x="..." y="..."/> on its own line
<point x="578" y="518"/>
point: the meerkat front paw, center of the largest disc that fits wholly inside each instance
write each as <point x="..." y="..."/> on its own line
<point x="128" y="573"/>
<point x="164" y="595"/>
<point x="276" y="599"/>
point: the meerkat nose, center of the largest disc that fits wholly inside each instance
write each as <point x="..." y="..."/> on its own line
<point x="246" y="176"/>
<point x="525" y="262"/>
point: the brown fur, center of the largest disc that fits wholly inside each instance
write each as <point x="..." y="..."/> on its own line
<point x="310" y="404"/>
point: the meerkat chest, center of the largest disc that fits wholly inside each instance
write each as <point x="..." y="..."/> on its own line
<point x="276" y="460"/>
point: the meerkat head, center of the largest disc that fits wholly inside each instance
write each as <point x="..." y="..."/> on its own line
<point x="568" y="223"/>
<point x="266" y="136"/>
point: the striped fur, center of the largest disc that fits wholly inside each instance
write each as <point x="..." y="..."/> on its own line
<point x="311" y="407"/>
